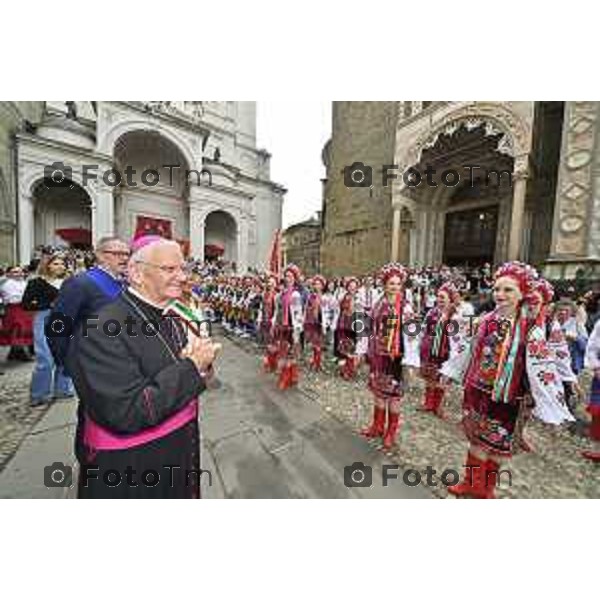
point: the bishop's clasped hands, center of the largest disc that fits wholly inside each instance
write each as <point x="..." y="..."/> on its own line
<point x="202" y="351"/>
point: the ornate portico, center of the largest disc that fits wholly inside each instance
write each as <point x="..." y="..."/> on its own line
<point x="204" y="158"/>
<point x="488" y="146"/>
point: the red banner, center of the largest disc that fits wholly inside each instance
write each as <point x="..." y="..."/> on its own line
<point x="153" y="226"/>
<point x="213" y="250"/>
<point x="275" y="254"/>
<point x="76" y="235"/>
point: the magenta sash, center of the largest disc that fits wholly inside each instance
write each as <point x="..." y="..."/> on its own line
<point x="97" y="437"/>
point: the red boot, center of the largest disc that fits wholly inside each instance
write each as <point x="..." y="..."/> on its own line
<point x="315" y="363"/>
<point x="390" y="435"/>
<point x="285" y="377"/>
<point x="377" y="427"/>
<point x="429" y="401"/>
<point x="347" y="369"/>
<point x="591" y="455"/>
<point x="594" y="455"/>
<point x="490" y="480"/>
<point x="270" y="361"/>
<point x="471" y="483"/>
<point x="318" y="358"/>
<point x="438" y="397"/>
<point x="350" y="368"/>
<point x="269" y="364"/>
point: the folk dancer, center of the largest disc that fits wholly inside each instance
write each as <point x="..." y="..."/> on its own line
<point x="393" y="345"/>
<point x="505" y="368"/>
<point x="288" y="325"/>
<point x="314" y="322"/>
<point x="346" y="346"/>
<point x="265" y="325"/>
<point x="592" y="361"/>
<point x="440" y="339"/>
<point x="546" y="408"/>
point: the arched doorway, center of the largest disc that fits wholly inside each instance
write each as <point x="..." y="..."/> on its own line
<point x="463" y="205"/>
<point x="62" y="216"/>
<point x="152" y="196"/>
<point x="220" y="237"/>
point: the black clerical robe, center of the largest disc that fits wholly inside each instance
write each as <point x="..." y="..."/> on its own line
<point x="141" y="435"/>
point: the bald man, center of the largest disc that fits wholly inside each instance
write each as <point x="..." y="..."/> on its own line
<point x="138" y="376"/>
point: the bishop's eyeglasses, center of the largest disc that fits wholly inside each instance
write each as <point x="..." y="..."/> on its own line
<point x="169" y="270"/>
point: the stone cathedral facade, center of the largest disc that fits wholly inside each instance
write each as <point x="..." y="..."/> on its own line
<point x="528" y="185"/>
<point x="188" y="170"/>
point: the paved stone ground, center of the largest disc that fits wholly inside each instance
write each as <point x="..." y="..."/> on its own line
<point x="256" y="443"/>
<point x="16" y="416"/>
<point x="554" y="470"/>
<point x="259" y="442"/>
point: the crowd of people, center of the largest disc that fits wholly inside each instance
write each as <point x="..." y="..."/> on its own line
<point x="515" y="348"/>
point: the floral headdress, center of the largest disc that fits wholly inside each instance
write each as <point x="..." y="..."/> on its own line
<point x="544" y="287"/>
<point x="294" y="270"/>
<point x="319" y="278"/>
<point x="392" y="270"/>
<point x="450" y="289"/>
<point x="522" y="273"/>
<point x="349" y="280"/>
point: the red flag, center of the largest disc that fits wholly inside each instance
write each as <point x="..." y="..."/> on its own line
<point x="275" y="258"/>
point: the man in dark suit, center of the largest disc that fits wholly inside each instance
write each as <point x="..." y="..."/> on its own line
<point x="83" y="295"/>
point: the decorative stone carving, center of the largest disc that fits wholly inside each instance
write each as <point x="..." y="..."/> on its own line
<point x="193" y="109"/>
<point x="495" y="116"/>
<point x="575" y="178"/>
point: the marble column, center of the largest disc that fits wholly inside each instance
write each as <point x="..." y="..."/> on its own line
<point x="26" y="228"/>
<point x="103" y="212"/>
<point x="242" y="259"/>
<point x="519" y="183"/>
<point x="196" y="233"/>
<point x="396" y="232"/>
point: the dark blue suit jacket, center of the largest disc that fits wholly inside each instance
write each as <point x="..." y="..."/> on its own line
<point x="80" y="297"/>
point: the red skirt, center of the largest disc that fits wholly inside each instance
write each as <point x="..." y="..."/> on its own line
<point x="284" y="339"/>
<point x="430" y="371"/>
<point x="491" y="425"/>
<point x="386" y="378"/>
<point x="313" y="334"/>
<point x="17" y="327"/>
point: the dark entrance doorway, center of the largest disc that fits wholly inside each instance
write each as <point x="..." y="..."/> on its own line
<point x="470" y="236"/>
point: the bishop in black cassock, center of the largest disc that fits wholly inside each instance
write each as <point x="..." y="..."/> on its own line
<point x="138" y="388"/>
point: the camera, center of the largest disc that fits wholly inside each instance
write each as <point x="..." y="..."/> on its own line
<point x="58" y="175"/>
<point x="58" y="325"/>
<point x="58" y="475"/>
<point x="358" y="475"/>
<point x="362" y="325"/>
<point x="358" y="175"/>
